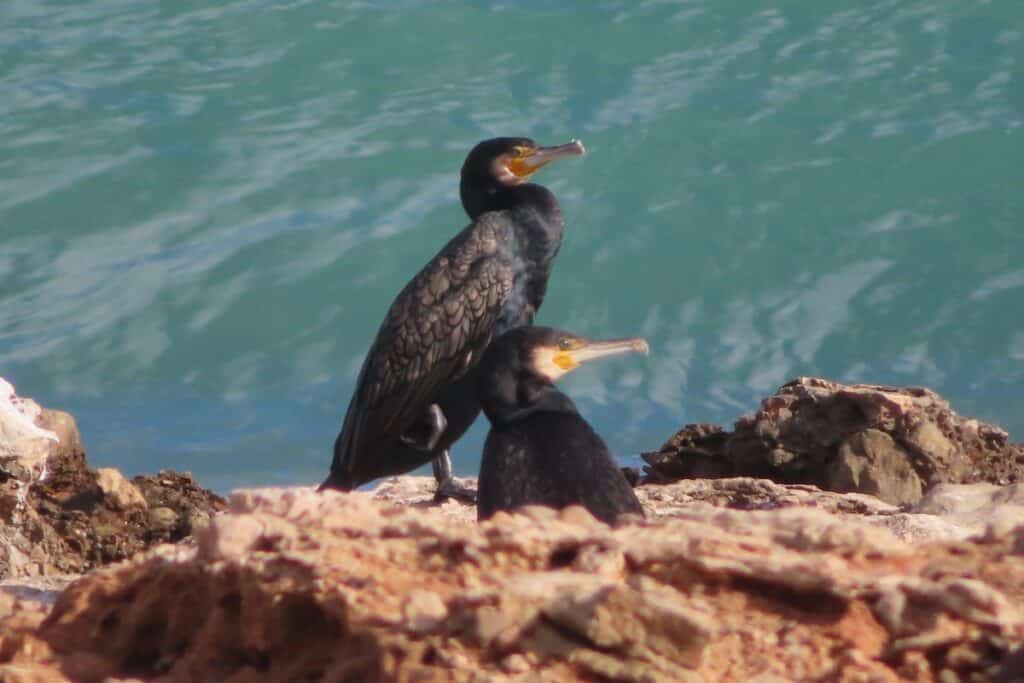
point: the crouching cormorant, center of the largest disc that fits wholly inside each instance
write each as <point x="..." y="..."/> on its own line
<point x="416" y="392"/>
<point x="540" y="451"/>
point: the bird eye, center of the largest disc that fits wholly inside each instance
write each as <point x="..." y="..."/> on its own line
<point x="521" y="150"/>
<point x="565" y="344"/>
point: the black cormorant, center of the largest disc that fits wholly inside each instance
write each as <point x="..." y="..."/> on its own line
<point x="416" y="392"/>
<point x="540" y="451"/>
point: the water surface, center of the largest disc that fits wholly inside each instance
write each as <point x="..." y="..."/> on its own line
<point x="206" y="210"/>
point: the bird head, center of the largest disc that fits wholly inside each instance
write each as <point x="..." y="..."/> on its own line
<point x="511" y="161"/>
<point x="553" y="353"/>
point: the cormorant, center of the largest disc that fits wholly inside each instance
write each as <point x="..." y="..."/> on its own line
<point x="540" y="451"/>
<point x="416" y="392"/>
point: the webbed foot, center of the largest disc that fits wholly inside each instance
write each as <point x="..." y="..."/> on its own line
<point x="447" y="487"/>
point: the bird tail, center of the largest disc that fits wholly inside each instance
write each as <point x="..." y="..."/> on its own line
<point x="341" y="474"/>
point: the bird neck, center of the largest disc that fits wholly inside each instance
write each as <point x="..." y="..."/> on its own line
<point x="527" y="397"/>
<point x="480" y="196"/>
<point x="534" y="212"/>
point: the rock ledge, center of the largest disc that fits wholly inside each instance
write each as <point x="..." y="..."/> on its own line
<point x="295" y="585"/>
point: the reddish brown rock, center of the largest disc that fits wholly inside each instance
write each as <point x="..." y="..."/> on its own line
<point x="295" y="585"/>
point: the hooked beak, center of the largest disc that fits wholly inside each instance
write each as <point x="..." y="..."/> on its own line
<point x="524" y="167"/>
<point x="609" y="347"/>
<point x="567" y="360"/>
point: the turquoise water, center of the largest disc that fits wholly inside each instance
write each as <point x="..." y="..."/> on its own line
<point x="206" y="208"/>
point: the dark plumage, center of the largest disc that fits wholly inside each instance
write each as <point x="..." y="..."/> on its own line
<point x="416" y="392"/>
<point x="540" y="450"/>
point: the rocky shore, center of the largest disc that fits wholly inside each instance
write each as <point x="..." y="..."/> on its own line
<point x="58" y="516"/>
<point x="912" y="569"/>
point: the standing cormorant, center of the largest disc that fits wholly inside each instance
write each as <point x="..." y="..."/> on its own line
<point x="416" y="392"/>
<point x="540" y="451"/>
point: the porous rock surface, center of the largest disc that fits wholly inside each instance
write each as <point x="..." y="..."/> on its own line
<point x="294" y="585"/>
<point x="894" y="443"/>
<point x="949" y="512"/>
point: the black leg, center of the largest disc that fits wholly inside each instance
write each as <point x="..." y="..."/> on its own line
<point x="435" y="424"/>
<point x="446" y="485"/>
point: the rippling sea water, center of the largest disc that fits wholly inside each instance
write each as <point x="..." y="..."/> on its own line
<point x="206" y="208"/>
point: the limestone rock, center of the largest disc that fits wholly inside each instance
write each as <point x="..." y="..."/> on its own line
<point x="26" y="447"/>
<point x="973" y="500"/>
<point x="118" y="491"/>
<point x="296" y="585"/>
<point x="984" y="508"/>
<point x="999" y="514"/>
<point x="19" y="428"/>
<point x="746" y="493"/>
<point x="895" y="443"/>
<point x="869" y="461"/>
<point x="35" y="446"/>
